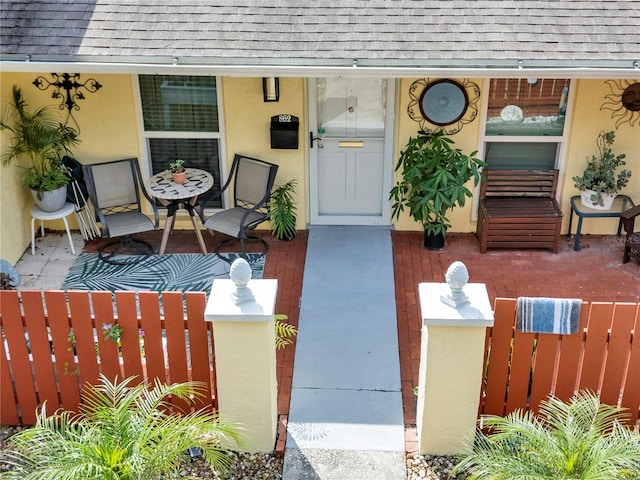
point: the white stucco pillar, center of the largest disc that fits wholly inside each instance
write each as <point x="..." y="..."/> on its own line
<point x="245" y="356"/>
<point x="451" y="360"/>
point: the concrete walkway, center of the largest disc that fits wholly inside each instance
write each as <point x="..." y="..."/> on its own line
<point x="346" y="418"/>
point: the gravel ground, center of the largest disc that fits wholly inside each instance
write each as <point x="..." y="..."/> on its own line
<point x="269" y="467"/>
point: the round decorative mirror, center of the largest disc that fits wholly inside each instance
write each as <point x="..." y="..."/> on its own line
<point x="443" y="102"/>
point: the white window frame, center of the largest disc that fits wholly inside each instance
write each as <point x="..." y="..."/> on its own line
<point x="562" y="140"/>
<point x="144" y="136"/>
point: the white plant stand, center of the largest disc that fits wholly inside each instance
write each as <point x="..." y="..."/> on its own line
<point x="39" y="214"/>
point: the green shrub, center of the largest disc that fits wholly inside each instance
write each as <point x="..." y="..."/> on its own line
<point x="582" y="439"/>
<point x="122" y="432"/>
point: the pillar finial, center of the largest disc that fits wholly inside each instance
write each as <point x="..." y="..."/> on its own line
<point x="457" y="277"/>
<point x="240" y="274"/>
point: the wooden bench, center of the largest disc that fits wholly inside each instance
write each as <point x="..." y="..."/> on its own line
<point x="518" y="209"/>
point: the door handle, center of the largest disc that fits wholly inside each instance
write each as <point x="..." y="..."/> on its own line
<point x="312" y="139"/>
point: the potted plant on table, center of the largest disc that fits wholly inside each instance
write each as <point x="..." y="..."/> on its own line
<point x="434" y="175"/>
<point x="599" y="182"/>
<point x="178" y="172"/>
<point x="38" y="141"/>
<point x="282" y="211"/>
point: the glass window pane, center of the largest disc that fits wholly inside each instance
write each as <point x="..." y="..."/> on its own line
<point x="347" y="107"/>
<point x="196" y="152"/>
<point x="173" y="103"/>
<point x="527" y="107"/>
<point x="521" y="156"/>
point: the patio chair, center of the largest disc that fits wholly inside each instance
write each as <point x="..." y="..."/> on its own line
<point x="252" y="183"/>
<point x="114" y="189"/>
<point x="632" y="241"/>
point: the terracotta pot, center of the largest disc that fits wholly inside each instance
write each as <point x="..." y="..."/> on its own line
<point x="180" y="177"/>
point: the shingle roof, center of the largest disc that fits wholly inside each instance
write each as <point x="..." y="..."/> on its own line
<point x="381" y="32"/>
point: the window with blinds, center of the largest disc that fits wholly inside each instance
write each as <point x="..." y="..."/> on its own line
<point x="181" y="120"/>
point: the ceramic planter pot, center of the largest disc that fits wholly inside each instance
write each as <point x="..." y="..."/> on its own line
<point x="52" y="200"/>
<point x="607" y="199"/>
<point x="179" y="177"/>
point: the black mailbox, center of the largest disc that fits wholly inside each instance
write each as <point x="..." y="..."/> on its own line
<point x="284" y="131"/>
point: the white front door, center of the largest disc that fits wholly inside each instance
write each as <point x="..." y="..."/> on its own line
<point x="350" y="161"/>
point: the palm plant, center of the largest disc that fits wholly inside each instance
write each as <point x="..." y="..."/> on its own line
<point x="39" y="140"/>
<point x="282" y="211"/>
<point x="122" y="432"/>
<point x="581" y="439"/>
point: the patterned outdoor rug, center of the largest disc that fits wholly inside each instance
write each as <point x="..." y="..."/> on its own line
<point x="179" y="272"/>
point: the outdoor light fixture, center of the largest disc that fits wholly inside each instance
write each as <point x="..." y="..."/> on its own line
<point x="271" y="89"/>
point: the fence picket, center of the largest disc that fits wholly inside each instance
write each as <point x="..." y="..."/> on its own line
<point x="176" y="343"/>
<point x="63" y="347"/>
<point x="83" y="330"/>
<point x="42" y="363"/>
<point x="631" y="395"/>
<point x="151" y="323"/>
<point x="103" y="313"/>
<point x="570" y="357"/>
<point x="595" y="346"/>
<point x="14" y="331"/>
<point x="521" y="358"/>
<point x="198" y="344"/>
<point x="127" y="312"/>
<point x="618" y="353"/>
<point x="8" y="402"/>
<point x="499" y="356"/>
<point x="544" y="369"/>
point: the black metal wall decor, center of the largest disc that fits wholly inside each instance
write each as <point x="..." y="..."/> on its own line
<point x="443" y="104"/>
<point x="73" y="87"/>
<point x="623" y="101"/>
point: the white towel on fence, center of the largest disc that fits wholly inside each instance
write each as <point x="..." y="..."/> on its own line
<point x="549" y="315"/>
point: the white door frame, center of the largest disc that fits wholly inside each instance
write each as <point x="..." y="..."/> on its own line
<point x="388" y="164"/>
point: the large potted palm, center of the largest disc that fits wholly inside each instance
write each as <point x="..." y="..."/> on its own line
<point x="434" y="177"/>
<point x="38" y="142"/>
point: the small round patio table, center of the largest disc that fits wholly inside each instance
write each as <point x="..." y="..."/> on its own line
<point x="180" y="196"/>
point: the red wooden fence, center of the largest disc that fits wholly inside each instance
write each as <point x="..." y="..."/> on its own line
<point x="53" y="343"/>
<point x="521" y="369"/>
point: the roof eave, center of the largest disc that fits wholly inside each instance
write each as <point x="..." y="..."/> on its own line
<point x="301" y="67"/>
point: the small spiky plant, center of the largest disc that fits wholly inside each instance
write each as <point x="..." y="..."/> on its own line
<point x="582" y="439"/>
<point x="123" y="432"/>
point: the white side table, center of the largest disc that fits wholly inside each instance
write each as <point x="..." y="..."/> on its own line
<point x="38" y="214"/>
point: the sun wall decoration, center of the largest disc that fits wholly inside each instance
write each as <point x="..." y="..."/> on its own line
<point x="623" y="101"/>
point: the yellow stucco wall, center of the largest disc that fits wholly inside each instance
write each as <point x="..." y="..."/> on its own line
<point x="247" y="122"/>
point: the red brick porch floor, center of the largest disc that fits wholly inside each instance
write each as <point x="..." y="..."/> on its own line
<point x="594" y="274"/>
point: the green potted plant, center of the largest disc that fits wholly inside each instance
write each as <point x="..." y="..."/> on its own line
<point x="178" y="171"/>
<point x="434" y="174"/>
<point x="599" y="182"/>
<point x="282" y="211"/>
<point x="38" y="142"/>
